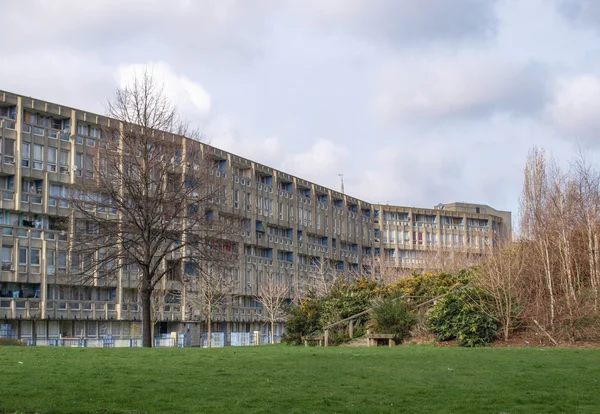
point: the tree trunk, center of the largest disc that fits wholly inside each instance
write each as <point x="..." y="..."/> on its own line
<point x="146" y="318"/>
<point x="272" y="331"/>
<point x="549" y="281"/>
<point x="209" y="327"/>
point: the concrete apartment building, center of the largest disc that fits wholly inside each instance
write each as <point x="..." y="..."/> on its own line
<point x="292" y="224"/>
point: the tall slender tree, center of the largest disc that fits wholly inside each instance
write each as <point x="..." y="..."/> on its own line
<point x="211" y="284"/>
<point x="273" y="294"/>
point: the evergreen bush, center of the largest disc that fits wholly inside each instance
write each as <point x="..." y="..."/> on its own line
<point x="392" y="317"/>
<point x="459" y="316"/>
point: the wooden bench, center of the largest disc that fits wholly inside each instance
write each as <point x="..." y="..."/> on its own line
<point x="318" y="339"/>
<point x="374" y="339"/>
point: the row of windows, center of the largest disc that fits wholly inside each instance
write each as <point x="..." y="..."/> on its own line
<point x="445" y="239"/>
<point x="52" y="156"/>
<point x="27" y="256"/>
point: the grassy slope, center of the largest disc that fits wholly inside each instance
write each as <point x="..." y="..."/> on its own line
<point x="299" y="380"/>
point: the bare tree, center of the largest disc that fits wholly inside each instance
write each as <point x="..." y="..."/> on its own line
<point x="273" y="295"/>
<point x="384" y="271"/>
<point x="452" y="260"/>
<point x="146" y="197"/>
<point x="589" y="211"/>
<point x="500" y="281"/>
<point x="324" y="278"/>
<point x="560" y="223"/>
<point x="208" y="288"/>
<point x="534" y="214"/>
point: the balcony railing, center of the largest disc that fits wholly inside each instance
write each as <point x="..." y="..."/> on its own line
<point x="81" y="309"/>
<point x="20" y="308"/>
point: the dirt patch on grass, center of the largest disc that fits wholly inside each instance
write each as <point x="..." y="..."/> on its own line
<point x="535" y="339"/>
<point x="517" y="340"/>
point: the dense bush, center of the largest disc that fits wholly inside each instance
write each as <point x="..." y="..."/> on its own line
<point x="302" y="320"/>
<point x="429" y="284"/>
<point x="462" y="317"/>
<point x="344" y="300"/>
<point x="463" y="314"/>
<point x="392" y="317"/>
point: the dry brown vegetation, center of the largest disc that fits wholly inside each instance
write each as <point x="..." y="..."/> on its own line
<point x="548" y="278"/>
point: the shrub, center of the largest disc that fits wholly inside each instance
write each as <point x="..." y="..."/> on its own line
<point x="458" y="316"/>
<point x="302" y="320"/>
<point x="314" y="313"/>
<point x="392" y="317"/>
<point x="430" y="284"/>
<point x="11" y="342"/>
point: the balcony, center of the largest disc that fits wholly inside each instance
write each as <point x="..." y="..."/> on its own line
<point x="171" y="312"/>
<point x="246" y="314"/>
<point x="8" y="199"/>
<point x="81" y="309"/>
<point x="130" y="311"/>
<point x="20" y="308"/>
<point x="9" y="124"/>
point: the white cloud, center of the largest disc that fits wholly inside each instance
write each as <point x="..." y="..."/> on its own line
<point x="294" y="83"/>
<point x="190" y="97"/>
<point x="458" y="86"/>
<point x="575" y="107"/>
<point x="224" y="132"/>
<point x="405" y="22"/>
<point x="74" y="79"/>
<point x="320" y="162"/>
<point x="134" y="29"/>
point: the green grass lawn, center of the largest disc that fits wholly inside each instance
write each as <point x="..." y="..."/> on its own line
<point x="287" y="379"/>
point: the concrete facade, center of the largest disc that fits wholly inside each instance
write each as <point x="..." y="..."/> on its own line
<point x="291" y="223"/>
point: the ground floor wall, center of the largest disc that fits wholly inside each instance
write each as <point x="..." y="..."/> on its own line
<point x="195" y="331"/>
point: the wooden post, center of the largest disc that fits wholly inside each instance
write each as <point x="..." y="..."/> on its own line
<point x="351" y="329"/>
<point x="326" y="338"/>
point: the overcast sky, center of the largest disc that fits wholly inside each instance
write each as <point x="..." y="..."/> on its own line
<point x="415" y="102"/>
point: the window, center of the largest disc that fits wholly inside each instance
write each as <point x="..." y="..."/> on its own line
<point x="9" y="151"/>
<point x="23" y="255"/>
<point x="62" y="260"/>
<point x="236" y="198"/>
<point x="65" y="158"/>
<point x="38" y="156"/>
<point x="89" y="166"/>
<point x="25" y="151"/>
<point x="7" y="254"/>
<point x="55" y="190"/>
<point x="35" y="257"/>
<point x="52" y="159"/>
<point x="75" y="262"/>
<point x="50" y="261"/>
<point x="82" y="129"/>
<point x="79" y="163"/>
<point x="248" y="278"/>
